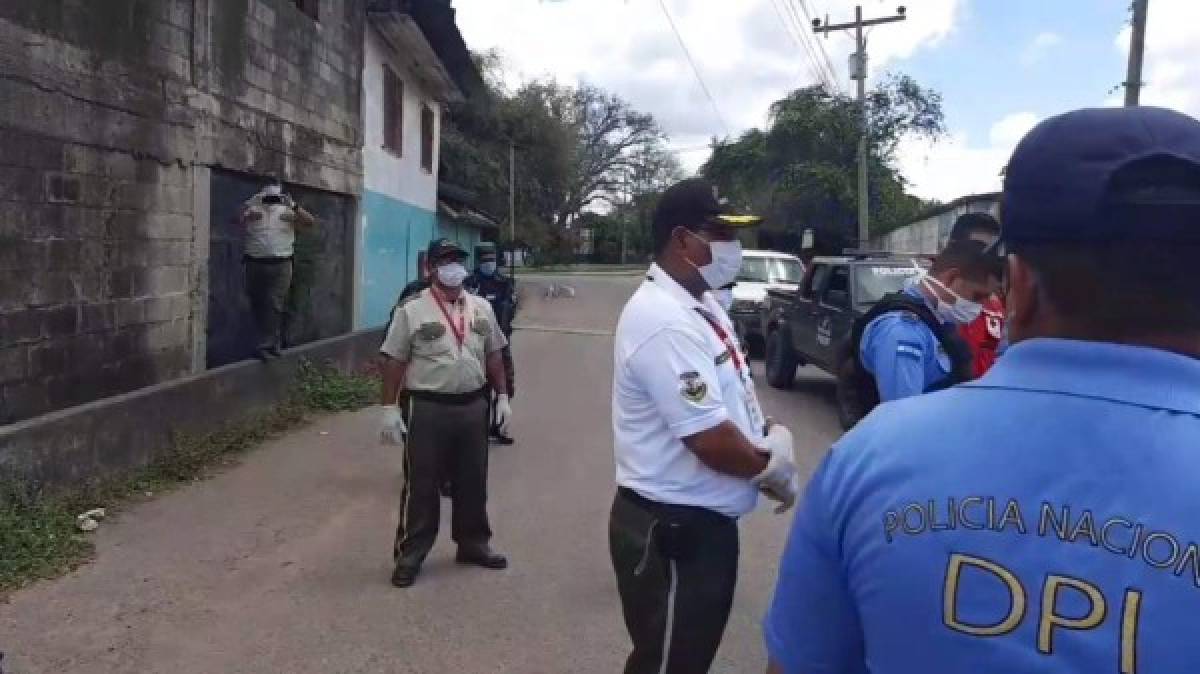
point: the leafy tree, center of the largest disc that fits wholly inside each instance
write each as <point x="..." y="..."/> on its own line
<point x="801" y="171"/>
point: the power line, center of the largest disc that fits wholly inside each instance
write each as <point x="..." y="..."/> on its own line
<point x="790" y="29"/>
<point x="820" y="46"/>
<point x="795" y="21"/>
<point x="695" y="69"/>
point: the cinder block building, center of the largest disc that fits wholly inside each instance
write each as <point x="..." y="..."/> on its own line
<point x="130" y="133"/>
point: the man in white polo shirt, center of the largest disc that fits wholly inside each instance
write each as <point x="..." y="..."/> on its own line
<point x="692" y="446"/>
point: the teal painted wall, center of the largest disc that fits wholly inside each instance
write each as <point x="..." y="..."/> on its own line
<point x="393" y="232"/>
<point x="464" y="235"/>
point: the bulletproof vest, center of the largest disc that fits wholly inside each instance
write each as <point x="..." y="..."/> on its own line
<point x="861" y="392"/>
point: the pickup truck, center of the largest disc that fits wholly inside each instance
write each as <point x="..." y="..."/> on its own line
<point x="811" y="325"/>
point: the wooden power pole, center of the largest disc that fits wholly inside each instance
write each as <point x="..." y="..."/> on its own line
<point x="1137" y="48"/>
<point x="858" y="72"/>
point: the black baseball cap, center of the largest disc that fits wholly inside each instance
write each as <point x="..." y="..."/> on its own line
<point x="694" y="203"/>
<point x="1105" y="174"/>
<point x="440" y="248"/>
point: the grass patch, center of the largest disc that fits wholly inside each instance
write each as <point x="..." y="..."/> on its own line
<point x="38" y="537"/>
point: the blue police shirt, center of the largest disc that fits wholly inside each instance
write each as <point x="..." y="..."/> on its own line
<point x="902" y="353"/>
<point x="1045" y="518"/>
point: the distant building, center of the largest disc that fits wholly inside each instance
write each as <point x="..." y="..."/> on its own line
<point x="415" y="62"/>
<point x="928" y="233"/>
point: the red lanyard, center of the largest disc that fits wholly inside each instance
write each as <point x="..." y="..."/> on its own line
<point x="724" y="337"/>
<point x="459" y="329"/>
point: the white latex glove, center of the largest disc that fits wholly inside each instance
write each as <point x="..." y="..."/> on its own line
<point x="503" y="413"/>
<point x="779" y="480"/>
<point x="392" y="429"/>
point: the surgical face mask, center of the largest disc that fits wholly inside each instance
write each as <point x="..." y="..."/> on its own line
<point x="725" y="265"/>
<point x="961" y="310"/>
<point x="724" y="297"/>
<point x="488" y="268"/>
<point x="452" y="274"/>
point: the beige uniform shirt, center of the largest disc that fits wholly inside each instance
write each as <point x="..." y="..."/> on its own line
<point x="420" y="336"/>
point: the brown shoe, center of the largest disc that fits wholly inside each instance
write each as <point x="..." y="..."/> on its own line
<point x="481" y="555"/>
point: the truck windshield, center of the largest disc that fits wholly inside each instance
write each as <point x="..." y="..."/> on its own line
<point x="875" y="281"/>
<point x="771" y="270"/>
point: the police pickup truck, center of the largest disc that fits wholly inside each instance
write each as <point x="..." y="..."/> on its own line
<point x="812" y="324"/>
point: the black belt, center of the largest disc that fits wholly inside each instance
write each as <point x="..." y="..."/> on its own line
<point x="448" y="398"/>
<point x="695" y="514"/>
<point x="266" y="260"/>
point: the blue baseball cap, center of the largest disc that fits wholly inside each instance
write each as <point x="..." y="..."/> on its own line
<point x="1105" y="174"/>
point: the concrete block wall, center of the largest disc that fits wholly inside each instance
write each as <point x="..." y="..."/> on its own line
<point x="112" y="115"/>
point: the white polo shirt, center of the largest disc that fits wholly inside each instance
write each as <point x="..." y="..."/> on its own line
<point x="674" y="377"/>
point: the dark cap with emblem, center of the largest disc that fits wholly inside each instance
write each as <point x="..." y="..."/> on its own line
<point x="441" y="248"/>
<point x="694" y="203"/>
<point x="1105" y="174"/>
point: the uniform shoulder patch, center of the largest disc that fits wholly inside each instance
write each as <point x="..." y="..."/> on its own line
<point x="693" y="387"/>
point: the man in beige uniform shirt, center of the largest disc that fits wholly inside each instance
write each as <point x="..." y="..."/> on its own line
<point x="443" y="347"/>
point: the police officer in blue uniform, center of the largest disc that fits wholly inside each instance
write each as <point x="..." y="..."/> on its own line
<point x="500" y="291"/>
<point x="909" y="342"/>
<point x="1043" y="517"/>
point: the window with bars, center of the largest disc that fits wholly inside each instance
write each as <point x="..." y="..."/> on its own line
<point x="393" y="111"/>
<point x="427" y="134"/>
<point x="310" y="8"/>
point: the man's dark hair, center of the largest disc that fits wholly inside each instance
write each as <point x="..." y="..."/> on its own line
<point x="1120" y="289"/>
<point x="970" y="258"/>
<point x="972" y="223"/>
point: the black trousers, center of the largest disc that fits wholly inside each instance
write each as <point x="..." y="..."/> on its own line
<point x="444" y="440"/>
<point x="676" y="569"/>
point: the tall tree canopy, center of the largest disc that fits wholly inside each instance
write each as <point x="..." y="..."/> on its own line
<point x="578" y="149"/>
<point x="801" y="171"/>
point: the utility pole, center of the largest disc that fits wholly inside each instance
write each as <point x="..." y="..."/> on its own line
<point x="858" y="72"/>
<point x="512" y="206"/>
<point x="1137" y="47"/>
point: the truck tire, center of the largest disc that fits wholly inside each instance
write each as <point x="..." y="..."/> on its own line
<point x="781" y="361"/>
<point x="849" y="407"/>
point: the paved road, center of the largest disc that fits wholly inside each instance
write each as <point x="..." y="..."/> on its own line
<point x="282" y="563"/>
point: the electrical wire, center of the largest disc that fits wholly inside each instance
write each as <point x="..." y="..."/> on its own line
<point x="695" y="69"/>
<point x="828" y="76"/>
<point x="820" y="46"/>
<point x="788" y="28"/>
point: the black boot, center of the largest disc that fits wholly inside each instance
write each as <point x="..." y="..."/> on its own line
<point x="481" y="555"/>
<point x="405" y="575"/>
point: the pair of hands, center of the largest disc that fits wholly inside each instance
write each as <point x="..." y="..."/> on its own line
<point x="779" y="480"/>
<point x="393" y="430"/>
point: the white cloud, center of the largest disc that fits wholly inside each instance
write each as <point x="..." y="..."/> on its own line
<point x="1171" y="69"/>
<point x="1039" y="46"/>
<point x="953" y="167"/>
<point x="745" y="53"/>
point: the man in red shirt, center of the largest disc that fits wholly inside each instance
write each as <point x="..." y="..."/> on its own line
<point x="983" y="334"/>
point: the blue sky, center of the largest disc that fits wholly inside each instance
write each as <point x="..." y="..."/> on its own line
<point x="990" y="64"/>
<point x="1001" y="65"/>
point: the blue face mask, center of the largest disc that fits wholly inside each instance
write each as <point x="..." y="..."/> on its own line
<point x="487" y="268"/>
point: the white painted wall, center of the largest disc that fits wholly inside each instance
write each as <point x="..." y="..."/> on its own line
<point x="401" y="177"/>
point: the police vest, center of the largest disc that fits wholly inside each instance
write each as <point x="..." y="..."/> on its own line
<point x="857" y="388"/>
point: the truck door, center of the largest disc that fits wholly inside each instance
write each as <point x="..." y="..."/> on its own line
<point x="802" y="321"/>
<point x="833" y="316"/>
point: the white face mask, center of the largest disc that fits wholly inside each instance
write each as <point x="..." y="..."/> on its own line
<point x="488" y="268"/>
<point x="724" y="297"/>
<point x="962" y="310"/>
<point x="725" y="265"/>
<point x="452" y="274"/>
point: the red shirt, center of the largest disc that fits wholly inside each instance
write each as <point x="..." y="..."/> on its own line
<point x="983" y="335"/>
